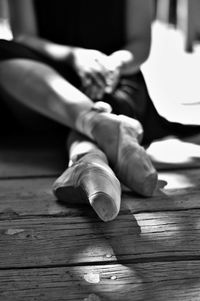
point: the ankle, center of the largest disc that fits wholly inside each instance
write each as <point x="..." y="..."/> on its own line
<point x="135" y="126"/>
<point x="85" y="120"/>
<point x="84" y="123"/>
<point x="92" y="156"/>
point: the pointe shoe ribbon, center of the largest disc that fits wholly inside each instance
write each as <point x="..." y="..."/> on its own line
<point x="119" y="136"/>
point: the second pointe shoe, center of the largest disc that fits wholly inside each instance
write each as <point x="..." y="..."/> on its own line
<point x="90" y="180"/>
<point x="119" y="136"/>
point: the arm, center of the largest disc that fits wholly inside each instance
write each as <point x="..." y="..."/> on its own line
<point x="24" y="29"/>
<point x="22" y="17"/>
<point x="138" y="31"/>
<point x="84" y="61"/>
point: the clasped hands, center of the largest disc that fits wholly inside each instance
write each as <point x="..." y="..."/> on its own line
<point x="99" y="73"/>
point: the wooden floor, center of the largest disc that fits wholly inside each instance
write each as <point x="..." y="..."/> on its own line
<point x="52" y="251"/>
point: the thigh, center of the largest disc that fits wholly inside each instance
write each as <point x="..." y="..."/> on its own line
<point x="13" y="50"/>
<point x="13" y="114"/>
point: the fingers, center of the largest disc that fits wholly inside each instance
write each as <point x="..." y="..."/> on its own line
<point x="97" y="73"/>
<point x="94" y="82"/>
<point x="95" y="85"/>
<point x="94" y="92"/>
<point x="112" y="81"/>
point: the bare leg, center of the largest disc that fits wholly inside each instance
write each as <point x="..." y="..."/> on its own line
<point x="42" y="89"/>
<point x="89" y="179"/>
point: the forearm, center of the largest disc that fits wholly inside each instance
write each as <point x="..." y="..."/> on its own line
<point x="139" y="52"/>
<point x="49" y="49"/>
<point x="131" y="57"/>
<point x="139" y="16"/>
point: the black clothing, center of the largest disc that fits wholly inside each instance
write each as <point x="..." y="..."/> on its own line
<point x="74" y="23"/>
<point x="98" y="24"/>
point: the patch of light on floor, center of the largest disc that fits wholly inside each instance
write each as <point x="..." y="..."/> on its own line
<point x="176" y="181"/>
<point x="174" y="151"/>
<point x="156" y="226"/>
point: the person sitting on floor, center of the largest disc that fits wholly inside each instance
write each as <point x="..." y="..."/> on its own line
<point x="74" y="62"/>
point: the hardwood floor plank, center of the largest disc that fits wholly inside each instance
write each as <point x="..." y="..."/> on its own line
<point x="54" y="241"/>
<point x="22" y="197"/>
<point x="31" y="157"/>
<point x="30" y="197"/>
<point x="161" y="281"/>
<point x="37" y="156"/>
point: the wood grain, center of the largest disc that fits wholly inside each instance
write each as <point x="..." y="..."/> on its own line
<point x="25" y="157"/>
<point x="30" y="197"/>
<point x="59" y="251"/>
<point x="45" y="241"/>
<point x="161" y="281"/>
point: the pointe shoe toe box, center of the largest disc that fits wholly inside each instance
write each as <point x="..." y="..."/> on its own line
<point x="93" y="183"/>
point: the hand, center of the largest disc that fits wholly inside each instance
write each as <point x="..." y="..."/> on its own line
<point x="116" y="63"/>
<point x="91" y="68"/>
<point x="112" y="77"/>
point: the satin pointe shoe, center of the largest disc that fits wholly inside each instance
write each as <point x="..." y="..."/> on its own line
<point x="89" y="179"/>
<point x="119" y="137"/>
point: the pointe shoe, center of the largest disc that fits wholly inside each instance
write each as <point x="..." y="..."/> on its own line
<point x="89" y="179"/>
<point x="119" y="136"/>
